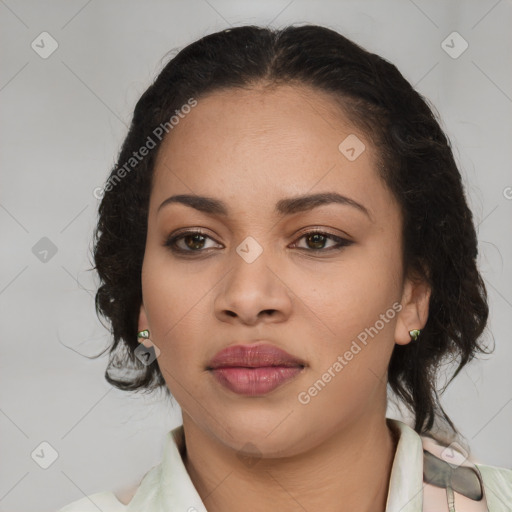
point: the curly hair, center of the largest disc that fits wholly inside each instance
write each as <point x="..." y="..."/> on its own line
<point x="415" y="162"/>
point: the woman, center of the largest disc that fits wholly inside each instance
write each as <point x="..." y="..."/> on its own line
<point x="284" y="234"/>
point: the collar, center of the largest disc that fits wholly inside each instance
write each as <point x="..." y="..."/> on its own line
<point x="168" y="486"/>
<point x="406" y="482"/>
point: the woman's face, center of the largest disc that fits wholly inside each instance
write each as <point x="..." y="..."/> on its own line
<point x="331" y="300"/>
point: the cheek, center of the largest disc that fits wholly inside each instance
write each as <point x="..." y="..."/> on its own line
<point x="352" y="295"/>
<point x="175" y="302"/>
<point x="360" y="310"/>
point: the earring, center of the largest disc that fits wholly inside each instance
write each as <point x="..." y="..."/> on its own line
<point x="142" y="335"/>
<point x="414" y="334"/>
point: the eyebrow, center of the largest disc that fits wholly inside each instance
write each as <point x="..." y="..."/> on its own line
<point x="287" y="206"/>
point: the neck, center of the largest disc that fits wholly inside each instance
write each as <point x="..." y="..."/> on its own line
<point x="350" y="470"/>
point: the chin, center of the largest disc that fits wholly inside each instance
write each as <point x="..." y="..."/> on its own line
<point x="262" y="439"/>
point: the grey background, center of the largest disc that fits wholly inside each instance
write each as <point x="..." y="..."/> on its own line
<point x="63" y="120"/>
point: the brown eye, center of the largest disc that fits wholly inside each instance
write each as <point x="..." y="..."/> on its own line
<point x="194" y="241"/>
<point x="317" y="240"/>
<point x="188" y="242"/>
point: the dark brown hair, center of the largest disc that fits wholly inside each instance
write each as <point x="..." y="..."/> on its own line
<point x="416" y="163"/>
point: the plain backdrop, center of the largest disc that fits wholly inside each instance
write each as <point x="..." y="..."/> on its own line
<point x="64" y="116"/>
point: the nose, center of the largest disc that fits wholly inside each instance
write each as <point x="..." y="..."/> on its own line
<point x="253" y="292"/>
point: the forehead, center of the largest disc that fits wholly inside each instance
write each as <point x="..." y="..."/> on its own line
<point x="264" y="142"/>
<point x="286" y="112"/>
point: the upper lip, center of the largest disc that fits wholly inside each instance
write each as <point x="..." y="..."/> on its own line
<point x="253" y="356"/>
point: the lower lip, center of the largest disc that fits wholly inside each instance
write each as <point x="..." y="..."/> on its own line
<point x="255" y="381"/>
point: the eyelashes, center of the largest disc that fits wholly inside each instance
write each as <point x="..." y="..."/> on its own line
<point x="172" y="241"/>
<point x="193" y="242"/>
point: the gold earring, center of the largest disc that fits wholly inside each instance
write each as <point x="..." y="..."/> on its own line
<point x="414" y="334"/>
<point x="142" y="335"/>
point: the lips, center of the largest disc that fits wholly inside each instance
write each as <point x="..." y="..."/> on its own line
<point x="254" y="370"/>
<point x="254" y="356"/>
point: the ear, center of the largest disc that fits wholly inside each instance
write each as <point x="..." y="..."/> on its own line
<point x="144" y="324"/>
<point x="414" y="312"/>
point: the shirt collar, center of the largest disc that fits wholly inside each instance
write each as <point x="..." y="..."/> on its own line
<point x="168" y="486"/>
<point x="406" y="481"/>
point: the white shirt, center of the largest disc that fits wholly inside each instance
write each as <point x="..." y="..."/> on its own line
<point x="167" y="487"/>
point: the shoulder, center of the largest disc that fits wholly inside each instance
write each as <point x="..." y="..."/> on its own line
<point x="498" y="485"/>
<point x="494" y="474"/>
<point x="105" y="501"/>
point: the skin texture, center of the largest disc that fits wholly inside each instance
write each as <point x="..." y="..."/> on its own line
<point x="252" y="148"/>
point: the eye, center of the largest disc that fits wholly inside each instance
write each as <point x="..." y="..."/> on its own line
<point x="316" y="240"/>
<point x="191" y="242"/>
